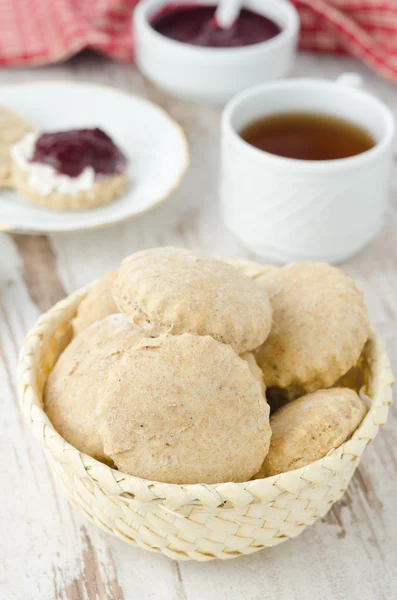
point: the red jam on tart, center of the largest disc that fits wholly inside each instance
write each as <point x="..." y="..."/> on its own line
<point x="70" y="152"/>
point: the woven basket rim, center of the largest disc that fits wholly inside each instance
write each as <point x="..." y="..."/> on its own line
<point x="379" y="390"/>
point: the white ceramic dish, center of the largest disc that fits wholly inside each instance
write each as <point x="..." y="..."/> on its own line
<point x="292" y="210"/>
<point x="214" y="75"/>
<point x="154" y="144"/>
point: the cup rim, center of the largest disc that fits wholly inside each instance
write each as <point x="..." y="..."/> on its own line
<point x="289" y="30"/>
<point x="310" y="165"/>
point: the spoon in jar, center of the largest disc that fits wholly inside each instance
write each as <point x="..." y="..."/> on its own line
<point x="227" y="13"/>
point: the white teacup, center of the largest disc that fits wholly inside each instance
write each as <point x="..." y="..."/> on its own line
<point x="290" y="210"/>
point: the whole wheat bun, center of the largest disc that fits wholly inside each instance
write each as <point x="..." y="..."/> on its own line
<point x="184" y="409"/>
<point x="72" y="388"/>
<point x="170" y="290"/>
<point x="320" y="326"/>
<point x="306" y="429"/>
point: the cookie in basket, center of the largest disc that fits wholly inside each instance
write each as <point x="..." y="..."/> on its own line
<point x="97" y="304"/>
<point x="320" y="326"/>
<point x="12" y="129"/>
<point x="71" y="391"/>
<point x="306" y="429"/>
<point x="184" y="409"/>
<point x="69" y="170"/>
<point x="170" y="290"/>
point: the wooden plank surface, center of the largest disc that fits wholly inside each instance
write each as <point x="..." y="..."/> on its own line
<point x="47" y="550"/>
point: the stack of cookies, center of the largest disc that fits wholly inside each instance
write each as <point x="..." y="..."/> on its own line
<point x="178" y="359"/>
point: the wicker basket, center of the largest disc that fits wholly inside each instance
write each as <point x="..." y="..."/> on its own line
<point x="192" y="522"/>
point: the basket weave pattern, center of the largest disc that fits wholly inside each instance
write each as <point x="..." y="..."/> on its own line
<point x="185" y="522"/>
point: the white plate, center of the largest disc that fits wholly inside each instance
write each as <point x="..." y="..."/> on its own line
<point x="155" y="146"/>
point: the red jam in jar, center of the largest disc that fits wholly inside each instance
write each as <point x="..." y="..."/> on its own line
<point x="70" y="152"/>
<point x="195" y="24"/>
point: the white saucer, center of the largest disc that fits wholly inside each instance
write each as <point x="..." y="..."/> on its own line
<point x="155" y="145"/>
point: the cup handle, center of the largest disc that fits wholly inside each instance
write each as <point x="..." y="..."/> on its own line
<point x="353" y="80"/>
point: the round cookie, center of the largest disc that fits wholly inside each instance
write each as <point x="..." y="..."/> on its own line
<point x="97" y="304"/>
<point x="320" y="326"/>
<point x="170" y="290"/>
<point x="306" y="429"/>
<point x="184" y="409"/>
<point x="251" y="269"/>
<point x="12" y="129"/>
<point x="71" y="391"/>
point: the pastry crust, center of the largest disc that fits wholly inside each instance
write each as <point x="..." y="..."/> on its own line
<point x="170" y="290"/>
<point x="305" y="430"/>
<point x="12" y="129"/>
<point x="184" y="409"/>
<point x="320" y="326"/>
<point x="102" y="192"/>
<point x="72" y="389"/>
<point x="97" y="304"/>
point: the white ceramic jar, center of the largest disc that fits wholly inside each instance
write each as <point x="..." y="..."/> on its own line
<point x="214" y="75"/>
<point x="291" y="210"/>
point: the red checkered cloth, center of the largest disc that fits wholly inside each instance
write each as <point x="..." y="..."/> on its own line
<point x="36" y="32"/>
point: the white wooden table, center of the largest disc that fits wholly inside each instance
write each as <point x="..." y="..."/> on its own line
<point x="47" y="550"/>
